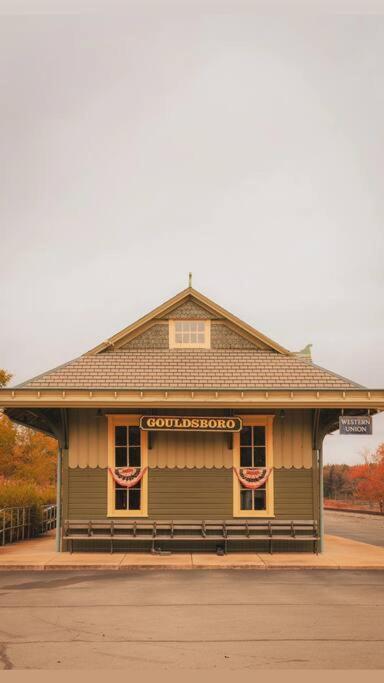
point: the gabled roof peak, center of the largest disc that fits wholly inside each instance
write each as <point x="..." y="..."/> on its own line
<point x="169" y="305"/>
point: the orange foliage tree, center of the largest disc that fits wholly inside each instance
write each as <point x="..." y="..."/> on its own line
<point x="368" y="479"/>
<point x="25" y="455"/>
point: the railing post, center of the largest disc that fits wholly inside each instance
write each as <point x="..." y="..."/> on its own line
<point x="58" y="499"/>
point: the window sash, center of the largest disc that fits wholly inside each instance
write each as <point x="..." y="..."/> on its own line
<point x="253" y="499"/>
<point x="189" y="333"/>
<point x="253" y="450"/>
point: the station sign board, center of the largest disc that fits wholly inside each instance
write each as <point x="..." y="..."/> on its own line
<point x="356" y="424"/>
<point x="167" y="423"/>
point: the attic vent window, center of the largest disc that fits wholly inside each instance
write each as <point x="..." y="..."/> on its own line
<point x="189" y="334"/>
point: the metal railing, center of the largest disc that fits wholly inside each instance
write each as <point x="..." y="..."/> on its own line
<point x="48" y="518"/>
<point x="20" y="523"/>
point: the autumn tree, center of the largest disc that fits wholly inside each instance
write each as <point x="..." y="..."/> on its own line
<point x="368" y="478"/>
<point x="4" y="378"/>
<point x="337" y="483"/>
<point x="25" y="455"/>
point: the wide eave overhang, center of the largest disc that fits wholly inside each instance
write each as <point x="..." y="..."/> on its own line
<point x="201" y="398"/>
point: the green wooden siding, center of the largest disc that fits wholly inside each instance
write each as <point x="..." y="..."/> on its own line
<point x="293" y="494"/>
<point x="189" y="493"/>
<point x="87" y="494"/>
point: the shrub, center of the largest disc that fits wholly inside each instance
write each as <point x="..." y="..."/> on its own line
<point x="26" y="494"/>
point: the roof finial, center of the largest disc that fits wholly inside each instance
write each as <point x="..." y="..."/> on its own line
<point x="190" y="280"/>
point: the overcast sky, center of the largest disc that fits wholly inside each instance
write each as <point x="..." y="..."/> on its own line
<point x="139" y="141"/>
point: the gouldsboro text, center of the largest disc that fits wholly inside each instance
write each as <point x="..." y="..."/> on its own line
<point x="207" y="424"/>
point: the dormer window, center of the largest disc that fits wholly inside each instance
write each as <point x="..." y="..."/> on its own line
<point x="189" y="334"/>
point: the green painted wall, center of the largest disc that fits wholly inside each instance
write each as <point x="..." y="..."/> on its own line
<point x="87" y="493"/>
<point x="293" y="494"/>
<point x="189" y="494"/>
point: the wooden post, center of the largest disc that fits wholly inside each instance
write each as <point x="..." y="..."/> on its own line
<point x="58" y="499"/>
<point x="321" y="500"/>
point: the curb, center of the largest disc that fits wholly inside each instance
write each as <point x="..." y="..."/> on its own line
<point x="141" y="567"/>
<point x="356" y="512"/>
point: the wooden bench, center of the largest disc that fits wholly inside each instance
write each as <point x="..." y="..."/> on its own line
<point x="221" y="532"/>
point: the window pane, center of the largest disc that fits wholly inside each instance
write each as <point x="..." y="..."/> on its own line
<point x="121" y="456"/>
<point x="120" y="436"/>
<point x="259" y="456"/>
<point x="134" y="436"/>
<point x="245" y="499"/>
<point x="190" y="332"/>
<point x="245" y="456"/>
<point x="245" y="436"/>
<point x="259" y="502"/>
<point x="259" y="436"/>
<point x="134" y="499"/>
<point x="134" y="456"/>
<point x="121" y="499"/>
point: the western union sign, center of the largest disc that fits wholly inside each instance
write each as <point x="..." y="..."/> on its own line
<point x="190" y="424"/>
<point x="361" y="424"/>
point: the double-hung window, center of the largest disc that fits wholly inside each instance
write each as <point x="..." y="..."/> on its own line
<point x="253" y="449"/>
<point x="127" y="448"/>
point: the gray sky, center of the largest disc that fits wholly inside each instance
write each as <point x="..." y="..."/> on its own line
<point x="141" y="141"/>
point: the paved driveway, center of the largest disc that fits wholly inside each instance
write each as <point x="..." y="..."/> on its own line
<point x="358" y="527"/>
<point x="205" y="619"/>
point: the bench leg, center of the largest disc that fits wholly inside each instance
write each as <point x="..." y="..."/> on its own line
<point x="71" y="546"/>
<point x="111" y="546"/>
<point x="225" y="546"/>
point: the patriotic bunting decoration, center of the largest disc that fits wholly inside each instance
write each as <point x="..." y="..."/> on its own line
<point x="252" y="477"/>
<point x="127" y="476"/>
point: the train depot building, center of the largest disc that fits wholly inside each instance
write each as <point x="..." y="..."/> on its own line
<point x="189" y="430"/>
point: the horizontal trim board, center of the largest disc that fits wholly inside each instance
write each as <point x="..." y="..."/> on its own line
<point x="200" y="398"/>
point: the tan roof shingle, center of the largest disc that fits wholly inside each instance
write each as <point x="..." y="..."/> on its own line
<point x="189" y="368"/>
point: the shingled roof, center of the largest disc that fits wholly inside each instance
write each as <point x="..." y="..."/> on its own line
<point x="261" y="363"/>
<point x="189" y="368"/>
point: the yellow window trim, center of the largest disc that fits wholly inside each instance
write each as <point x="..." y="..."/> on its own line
<point x="255" y="421"/>
<point x="177" y="345"/>
<point x="126" y="421"/>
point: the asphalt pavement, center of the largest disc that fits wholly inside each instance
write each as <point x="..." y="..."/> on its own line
<point x="175" y="620"/>
<point x="358" y="527"/>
